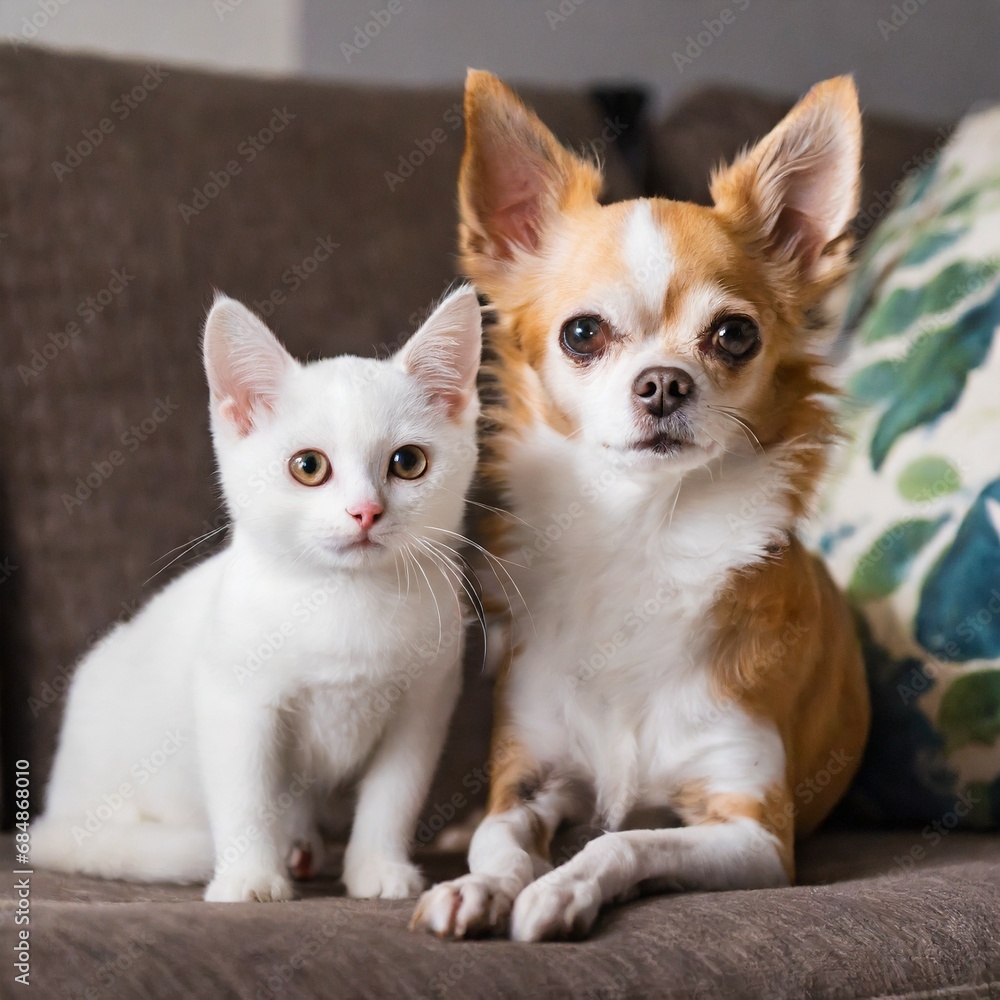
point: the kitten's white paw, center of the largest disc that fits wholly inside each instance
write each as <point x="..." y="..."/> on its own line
<point x="375" y="877"/>
<point x="257" y="886"/>
<point x="555" y="908"/>
<point x="465" y="907"/>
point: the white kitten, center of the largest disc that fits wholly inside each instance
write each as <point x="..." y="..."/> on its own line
<point x="323" y="643"/>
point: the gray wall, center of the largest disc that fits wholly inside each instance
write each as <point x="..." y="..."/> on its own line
<point x="261" y="36"/>
<point x="944" y="55"/>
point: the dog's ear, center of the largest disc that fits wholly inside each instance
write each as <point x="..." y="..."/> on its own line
<point x="795" y="192"/>
<point x="515" y="177"/>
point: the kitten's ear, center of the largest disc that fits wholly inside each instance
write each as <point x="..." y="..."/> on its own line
<point x="796" y="191"/>
<point x="244" y="362"/>
<point x="443" y="355"/>
<point x="515" y="176"/>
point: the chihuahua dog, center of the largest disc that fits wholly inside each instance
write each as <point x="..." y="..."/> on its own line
<point x="662" y="423"/>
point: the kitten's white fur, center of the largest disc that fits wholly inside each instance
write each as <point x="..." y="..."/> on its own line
<point x="202" y="736"/>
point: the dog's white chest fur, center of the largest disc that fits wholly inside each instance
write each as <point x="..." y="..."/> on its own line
<point x="618" y="572"/>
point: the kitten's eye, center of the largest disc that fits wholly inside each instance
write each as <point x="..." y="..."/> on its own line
<point x="585" y="336"/>
<point x="408" y="462"/>
<point x="310" y="467"/>
<point x="735" y="339"/>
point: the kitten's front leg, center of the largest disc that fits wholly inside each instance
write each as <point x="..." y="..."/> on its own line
<point x="377" y="860"/>
<point x="240" y="763"/>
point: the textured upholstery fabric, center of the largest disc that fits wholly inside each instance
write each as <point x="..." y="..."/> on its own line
<point x="858" y="926"/>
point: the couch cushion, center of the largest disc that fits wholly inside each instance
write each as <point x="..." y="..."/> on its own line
<point x="127" y="193"/>
<point x="877" y="915"/>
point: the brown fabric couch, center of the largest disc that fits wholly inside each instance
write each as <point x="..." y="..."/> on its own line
<point x="129" y="192"/>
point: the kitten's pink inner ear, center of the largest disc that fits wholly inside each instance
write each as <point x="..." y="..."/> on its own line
<point x="245" y="364"/>
<point x="442" y="380"/>
<point x="443" y="355"/>
<point x="238" y="416"/>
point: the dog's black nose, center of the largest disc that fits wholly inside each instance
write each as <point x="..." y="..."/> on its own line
<point x="662" y="390"/>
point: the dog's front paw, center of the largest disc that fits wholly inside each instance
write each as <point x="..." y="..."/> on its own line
<point x="465" y="907"/>
<point x="555" y="908"/>
<point x="375" y="877"/>
<point x="255" y="886"/>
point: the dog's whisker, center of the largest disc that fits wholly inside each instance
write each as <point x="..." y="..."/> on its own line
<point x="745" y="427"/>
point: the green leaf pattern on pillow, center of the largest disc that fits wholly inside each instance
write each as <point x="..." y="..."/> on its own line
<point x="883" y="567"/>
<point x="970" y="709"/>
<point x="910" y="524"/>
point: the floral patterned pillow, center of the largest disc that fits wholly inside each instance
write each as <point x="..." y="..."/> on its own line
<point x="910" y="524"/>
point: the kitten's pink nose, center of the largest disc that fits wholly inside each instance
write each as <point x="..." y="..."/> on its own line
<point x="366" y="513"/>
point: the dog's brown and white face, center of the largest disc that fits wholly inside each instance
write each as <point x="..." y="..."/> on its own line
<point x="666" y="333"/>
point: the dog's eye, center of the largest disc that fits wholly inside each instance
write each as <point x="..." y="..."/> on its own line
<point x="310" y="467"/>
<point x="585" y="336"/>
<point x="736" y="338"/>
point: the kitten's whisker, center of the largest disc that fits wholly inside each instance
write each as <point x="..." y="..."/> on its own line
<point x="454" y="564"/>
<point x="194" y="541"/>
<point x="187" y="547"/>
<point x="495" y="510"/>
<point x="469" y="541"/>
<point x="494" y="562"/>
<point x="510" y="606"/>
<point x="480" y="607"/>
<point x="406" y="565"/>
<point x="443" y="564"/>
<point x="460" y="570"/>
<point x="437" y="607"/>
<point x="304" y="552"/>
<point x="399" y="585"/>
<point x="440" y="568"/>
